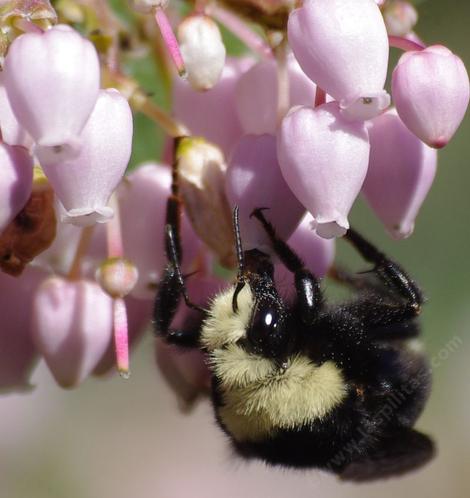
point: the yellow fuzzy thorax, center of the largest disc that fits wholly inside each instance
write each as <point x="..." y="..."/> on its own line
<point x="259" y="397"/>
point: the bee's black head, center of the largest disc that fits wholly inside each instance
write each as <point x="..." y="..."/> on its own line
<point x="268" y="332"/>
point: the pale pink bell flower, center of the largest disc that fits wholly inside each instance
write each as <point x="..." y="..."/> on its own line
<point x="431" y="91"/>
<point x="254" y="180"/>
<point x="52" y="80"/>
<point x="401" y="172"/>
<point x="72" y="327"/>
<point x="84" y="183"/>
<point x="323" y="158"/>
<point x="257" y="94"/>
<point x="16" y="181"/>
<point x="342" y="46"/>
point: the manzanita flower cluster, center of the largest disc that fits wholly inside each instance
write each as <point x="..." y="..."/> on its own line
<point x="299" y="125"/>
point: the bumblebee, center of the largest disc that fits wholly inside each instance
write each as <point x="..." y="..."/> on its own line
<point x="304" y="384"/>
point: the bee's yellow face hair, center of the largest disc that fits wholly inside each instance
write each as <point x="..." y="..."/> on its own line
<point x="259" y="397"/>
<point x="223" y="326"/>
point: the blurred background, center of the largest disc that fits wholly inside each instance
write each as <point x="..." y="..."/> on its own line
<point x="121" y="439"/>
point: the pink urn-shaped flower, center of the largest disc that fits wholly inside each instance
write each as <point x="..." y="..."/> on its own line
<point x="323" y="158"/>
<point x="431" y="91"/>
<point x="254" y="180"/>
<point x="52" y="80"/>
<point x="401" y="172"/>
<point x="83" y="184"/>
<point x="72" y="327"/>
<point x="342" y="46"/>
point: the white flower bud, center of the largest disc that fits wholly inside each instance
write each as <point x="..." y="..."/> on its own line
<point x="203" y="51"/>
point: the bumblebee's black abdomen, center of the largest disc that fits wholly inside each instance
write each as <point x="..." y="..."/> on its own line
<point x="332" y="443"/>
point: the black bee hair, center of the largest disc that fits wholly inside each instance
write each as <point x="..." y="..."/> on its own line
<point x="304" y="384"/>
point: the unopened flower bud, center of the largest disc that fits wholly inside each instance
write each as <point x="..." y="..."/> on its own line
<point x="342" y="46"/>
<point x="203" y="51"/>
<point x="148" y="6"/>
<point x="16" y="180"/>
<point x="400" y="17"/>
<point x="202" y="168"/>
<point x="72" y="327"/>
<point x="254" y="180"/>
<point x="324" y="158"/>
<point x="431" y="92"/>
<point x="257" y="94"/>
<point x="117" y="276"/>
<point x="401" y="172"/>
<point x="84" y="184"/>
<point x="46" y="75"/>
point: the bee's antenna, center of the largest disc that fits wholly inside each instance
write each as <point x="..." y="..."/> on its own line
<point x="240" y="258"/>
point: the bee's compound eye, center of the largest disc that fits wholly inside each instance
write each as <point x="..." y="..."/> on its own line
<point x="266" y="333"/>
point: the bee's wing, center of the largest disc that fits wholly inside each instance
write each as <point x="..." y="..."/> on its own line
<point x="403" y="451"/>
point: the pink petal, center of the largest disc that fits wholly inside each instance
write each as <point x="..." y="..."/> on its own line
<point x="257" y="94"/>
<point x="12" y="132"/>
<point x="72" y="327"/>
<point x="323" y="158"/>
<point x="401" y="172"/>
<point x="254" y="180"/>
<point x="342" y="46"/>
<point x="84" y="184"/>
<point x="46" y="75"/>
<point x="431" y="92"/>
<point x="212" y="114"/>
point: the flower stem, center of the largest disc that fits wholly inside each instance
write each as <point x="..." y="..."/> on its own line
<point x="405" y="44"/>
<point x="170" y="41"/>
<point x="239" y="28"/>
<point x="121" y="339"/>
<point x="82" y="248"/>
<point x="113" y="231"/>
